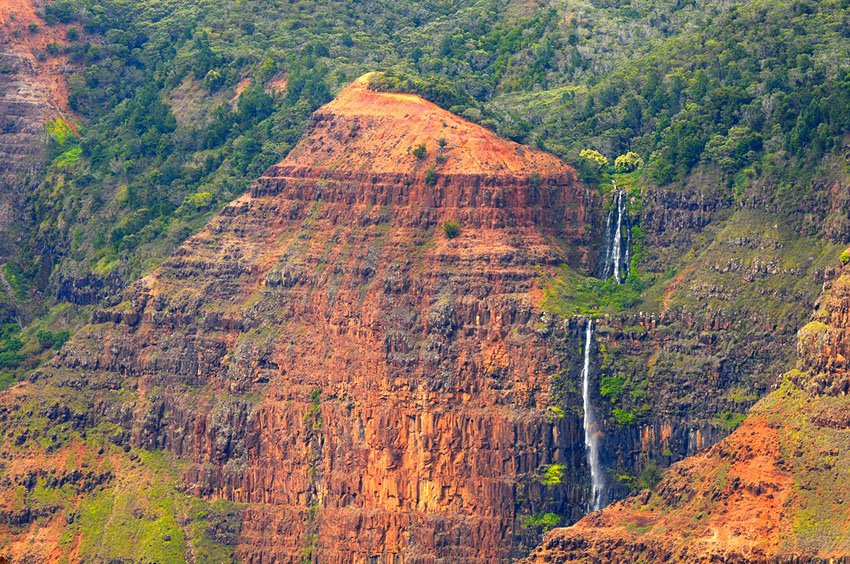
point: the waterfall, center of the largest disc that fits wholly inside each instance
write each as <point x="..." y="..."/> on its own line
<point x="591" y="427"/>
<point x="615" y="257"/>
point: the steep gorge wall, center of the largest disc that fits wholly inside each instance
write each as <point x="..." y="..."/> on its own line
<point x="324" y="354"/>
<point x="713" y="336"/>
<point x="32" y="92"/>
<point x="773" y="491"/>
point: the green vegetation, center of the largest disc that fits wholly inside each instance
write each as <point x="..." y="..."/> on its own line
<point x="594" y="158"/>
<point x="591" y="165"/>
<point x="648" y="478"/>
<point x="573" y="294"/>
<point x="451" y="228"/>
<point x="730" y="420"/>
<point x="611" y="387"/>
<point x="22" y="349"/>
<point x="10" y="346"/>
<point x="165" y="138"/>
<point x="622" y="417"/>
<point x="431" y="177"/>
<point x="553" y="474"/>
<point x="543" y="521"/>
<point x="60" y="131"/>
<point x="313" y="414"/>
<point x="137" y="517"/>
<point x="629" y="162"/>
<point x="437" y="89"/>
<point x="420" y="151"/>
<point x="181" y="107"/>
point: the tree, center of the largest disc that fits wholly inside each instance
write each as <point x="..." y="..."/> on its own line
<point x="629" y="162"/>
<point x="594" y="158"/>
<point x="591" y="164"/>
<point x="451" y="228"/>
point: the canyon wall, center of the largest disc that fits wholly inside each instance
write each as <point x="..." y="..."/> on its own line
<point x="363" y="382"/>
<point x="773" y="491"/>
<point x="32" y="92"/>
<point x="714" y="335"/>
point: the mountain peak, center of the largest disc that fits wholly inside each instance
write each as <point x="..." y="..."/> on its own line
<point x="378" y="132"/>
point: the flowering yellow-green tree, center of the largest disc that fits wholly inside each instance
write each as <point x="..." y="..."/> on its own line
<point x="628" y="162"/>
<point x="594" y="158"/>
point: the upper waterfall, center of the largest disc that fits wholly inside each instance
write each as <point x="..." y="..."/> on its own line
<point x="615" y="257"/>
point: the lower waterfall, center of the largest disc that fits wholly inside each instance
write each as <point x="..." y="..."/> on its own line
<point x="591" y="427"/>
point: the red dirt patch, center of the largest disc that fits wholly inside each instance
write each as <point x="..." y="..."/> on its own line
<point x="16" y="17"/>
<point x="383" y="129"/>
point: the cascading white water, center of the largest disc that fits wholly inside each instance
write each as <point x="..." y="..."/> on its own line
<point x="618" y="236"/>
<point x="615" y="257"/>
<point x="591" y="440"/>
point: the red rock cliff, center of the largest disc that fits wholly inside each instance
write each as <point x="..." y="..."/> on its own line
<point x="325" y="354"/>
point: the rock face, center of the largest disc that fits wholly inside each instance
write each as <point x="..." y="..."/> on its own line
<point x="711" y="339"/>
<point x="775" y="490"/>
<point x="325" y="354"/>
<point x="32" y="91"/>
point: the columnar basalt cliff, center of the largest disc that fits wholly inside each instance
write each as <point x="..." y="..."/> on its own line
<point x="773" y="491"/>
<point x="361" y="381"/>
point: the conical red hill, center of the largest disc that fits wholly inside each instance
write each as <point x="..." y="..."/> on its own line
<point x="325" y="355"/>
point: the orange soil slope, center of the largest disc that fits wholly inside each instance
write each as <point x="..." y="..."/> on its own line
<point x="47" y="79"/>
<point x="381" y="130"/>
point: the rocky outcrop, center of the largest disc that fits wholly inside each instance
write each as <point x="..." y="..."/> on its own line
<point x="773" y="491"/>
<point x="370" y="384"/>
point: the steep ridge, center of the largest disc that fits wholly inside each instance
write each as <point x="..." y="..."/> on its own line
<point x="360" y="382"/>
<point x="32" y="91"/>
<point x="774" y="491"/>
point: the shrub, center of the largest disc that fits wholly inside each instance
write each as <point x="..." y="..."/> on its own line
<point x="845" y="257"/>
<point x="431" y="177"/>
<point x="545" y="520"/>
<point x="554" y="474"/>
<point x="59" y="131"/>
<point x="629" y="162"/>
<point x="199" y="200"/>
<point x="420" y="151"/>
<point x="623" y="417"/>
<point x="451" y="228"/>
<point x="48" y="339"/>
<point x="611" y="387"/>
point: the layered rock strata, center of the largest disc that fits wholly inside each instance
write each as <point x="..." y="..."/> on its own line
<point x="32" y="92"/>
<point x="329" y="354"/>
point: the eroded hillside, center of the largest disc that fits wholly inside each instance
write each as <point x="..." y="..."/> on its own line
<point x="33" y="91"/>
